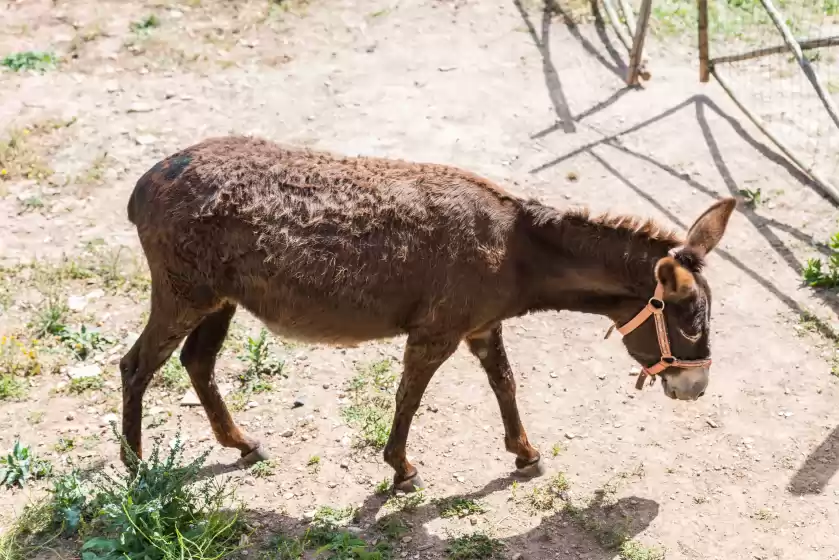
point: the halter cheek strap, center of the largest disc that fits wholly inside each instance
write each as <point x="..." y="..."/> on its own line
<point x="655" y="309"/>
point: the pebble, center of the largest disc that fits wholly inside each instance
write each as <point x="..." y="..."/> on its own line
<point x="145" y="139"/>
<point x="190" y="398"/>
<point x="326" y="385"/>
<point x="298" y="402"/>
<point x="345" y="465"/>
<point x="473" y="521"/>
<point x="80" y="372"/>
<point x="517" y="556"/>
<point x="140" y="107"/>
<point x="553" y="375"/>
<point x="253" y="404"/>
<point x="288" y="433"/>
<point x="569" y="435"/>
<point x="712" y="423"/>
<point x="406" y="540"/>
<point x="70" y="417"/>
<point x="76" y="303"/>
<point x="432" y="408"/>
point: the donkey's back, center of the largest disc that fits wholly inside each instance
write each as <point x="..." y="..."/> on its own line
<point x="327" y="248"/>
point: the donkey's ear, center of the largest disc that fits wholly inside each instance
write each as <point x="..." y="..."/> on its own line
<point x="707" y="230"/>
<point x="678" y="282"/>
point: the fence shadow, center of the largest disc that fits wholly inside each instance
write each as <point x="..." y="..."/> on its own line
<point x="818" y="468"/>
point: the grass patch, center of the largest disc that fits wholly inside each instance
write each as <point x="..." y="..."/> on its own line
<point x="556" y="449"/>
<point x="384" y="487"/>
<point x="752" y="197"/>
<point x="11" y="388"/>
<point x="19" y="159"/>
<point x="83" y="342"/>
<point x="372" y="394"/>
<point x="406" y="502"/>
<point x="263" y="469"/>
<point x="633" y="550"/>
<point x="49" y="318"/>
<point x="30" y="60"/>
<point x="63" y="445"/>
<point x="18" y="358"/>
<point x="173" y="376"/>
<point x="20" y="465"/>
<point x="548" y="496"/>
<point x="314" y="464"/>
<point x="474" y="547"/>
<point x="83" y="385"/>
<point x="459" y="507"/>
<point x="764" y="514"/>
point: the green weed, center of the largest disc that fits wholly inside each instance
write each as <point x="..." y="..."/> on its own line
<point x="30" y="60"/>
<point x="548" y="496"/>
<point x="474" y="547"/>
<point x="263" y="469"/>
<point x="64" y="445"/>
<point x="384" y="487"/>
<point x="752" y="197"/>
<point x="162" y="511"/>
<point x="11" y="388"/>
<point x="262" y="366"/>
<point x="459" y="507"/>
<point x="313" y="463"/>
<point x="556" y="449"/>
<point x="19" y="159"/>
<point x="372" y="405"/>
<point x="83" y="342"/>
<point x="20" y="465"/>
<point x="49" y="318"/>
<point x="145" y="25"/>
<point x="406" y="502"/>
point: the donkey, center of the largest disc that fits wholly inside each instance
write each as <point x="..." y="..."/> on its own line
<point x="341" y="250"/>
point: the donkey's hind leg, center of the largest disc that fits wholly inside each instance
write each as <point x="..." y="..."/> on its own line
<point x="198" y="356"/>
<point x="489" y="349"/>
<point x="163" y="332"/>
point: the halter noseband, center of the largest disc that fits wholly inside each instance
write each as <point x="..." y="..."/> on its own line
<point x="655" y="309"/>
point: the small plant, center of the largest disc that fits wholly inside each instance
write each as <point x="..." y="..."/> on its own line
<point x="263" y="469"/>
<point x="633" y="550"/>
<point x="459" y="507"/>
<point x="145" y="25"/>
<point x="19" y="159"/>
<point x="11" y="388"/>
<point x="70" y="503"/>
<point x="82" y="385"/>
<point x="752" y="197"/>
<point x="49" y="319"/>
<point x="391" y="527"/>
<point x="384" y="487"/>
<point x="173" y="376"/>
<point x="31" y="204"/>
<point x="29" y="60"/>
<point x="343" y="545"/>
<point x="84" y="342"/>
<point x="162" y="511"/>
<point x="314" y="463"/>
<point x="261" y="365"/>
<point x="20" y="465"/>
<point x="64" y="445"/>
<point x="556" y="449"/>
<point x="36" y="417"/>
<point x="818" y="274"/>
<point x="474" y="547"/>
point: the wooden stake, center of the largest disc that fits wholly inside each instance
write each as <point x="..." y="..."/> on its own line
<point x="638" y="44"/>
<point x="777" y="49"/>
<point x="704" y="66"/>
<point x="616" y="23"/>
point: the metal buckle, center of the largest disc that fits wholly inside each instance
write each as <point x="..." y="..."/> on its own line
<point x="656" y="304"/>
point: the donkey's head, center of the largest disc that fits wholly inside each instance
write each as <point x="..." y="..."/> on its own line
<point x="670" y="336"/>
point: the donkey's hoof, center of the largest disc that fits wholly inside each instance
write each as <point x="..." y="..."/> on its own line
<point x="257" y="455"/>
<point x="411" y="485"/>
<point x="532" y="470"/>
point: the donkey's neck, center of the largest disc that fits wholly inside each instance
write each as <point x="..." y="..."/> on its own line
<point x="603" y="265"/>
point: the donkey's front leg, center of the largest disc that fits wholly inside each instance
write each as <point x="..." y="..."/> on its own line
<point x="488" y="346"/>
<point x="423" y="355"/>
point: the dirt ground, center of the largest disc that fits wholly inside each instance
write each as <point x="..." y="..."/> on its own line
<point x="747" y="472"/>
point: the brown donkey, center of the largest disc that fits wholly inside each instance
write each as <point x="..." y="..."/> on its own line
<point x="345" y="250"/>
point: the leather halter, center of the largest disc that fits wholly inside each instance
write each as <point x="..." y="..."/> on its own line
<point x="655" y="309"/>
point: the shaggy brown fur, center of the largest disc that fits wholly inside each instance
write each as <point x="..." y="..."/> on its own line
<point x="344" y="250"/>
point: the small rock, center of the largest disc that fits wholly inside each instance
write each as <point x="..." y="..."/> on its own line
<point x="140" y="107"/>
<point x="309" y="515"/>
<point x="406" y="540"/>
<point x="190" y="399"/>
<point x="344" y="464"/>
<point x="80" y="372"/>
<point x="95" y="294"/>
<point x="288" y="433"/>
<point x="473" y="521"/>
<point x="554" y="375"/>
<point x="253" y="404"/>
<point x="326" y="385"/>
<point x="145" y="139"/>
<point x="569" y="435"/>
<point x="70" y="417"/>
<point x="298" y="402"/>
<point x="354" y="530"/>
<point x="517" y="556"/>
<point x="108" y="419"/>
<point x="76" y="303"/>
<point x="712" y="423"/>
<point x="432" y="408"/>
